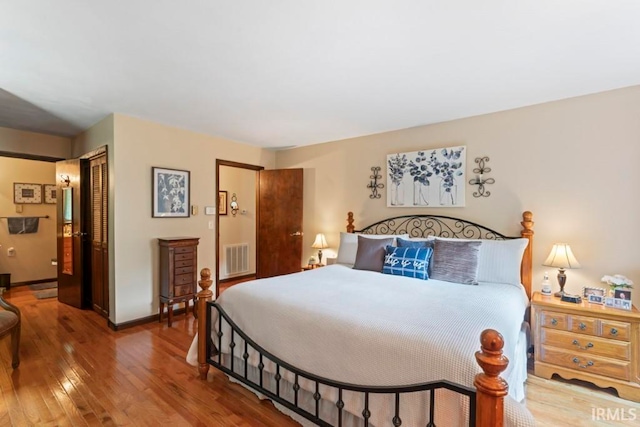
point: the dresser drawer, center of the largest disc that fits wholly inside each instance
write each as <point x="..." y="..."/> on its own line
<point x="183" y="279"/>
<point x="183" y="270"/>
<point x="182" y="257"/>
<point x="179" y="291"/>
<point x="586" y="345"/>
<point x="583" y="325"/>
<point x="184" y="263"/>
<point x="183" y="250"/>
<point x="550" y="319"/>
<point x="616" y="330"/>
<point x="586" y="363"/>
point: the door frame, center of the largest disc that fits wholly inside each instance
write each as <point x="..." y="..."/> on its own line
<point x="238" y="165"/>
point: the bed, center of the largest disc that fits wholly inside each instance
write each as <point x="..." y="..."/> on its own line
<point x="344" y="346"/>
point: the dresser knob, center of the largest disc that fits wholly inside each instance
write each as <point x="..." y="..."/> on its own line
<point x="582" y="326"/>
<point x="588" y="346"/>
<point x="577" y="362"/>
<point x="554" y="321"/>
<point x="614" y="331"/>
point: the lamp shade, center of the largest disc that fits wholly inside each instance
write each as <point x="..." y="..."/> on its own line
<point x="561" y="257"/>
<point x="320" y="242"/>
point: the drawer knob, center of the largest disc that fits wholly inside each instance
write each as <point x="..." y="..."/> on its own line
<point x="582" y="326"/>
<point x="554" y="321"/>
<point x="577" y="362"/>
<point x="587" y="347"/>
<point x="614" y="331"/>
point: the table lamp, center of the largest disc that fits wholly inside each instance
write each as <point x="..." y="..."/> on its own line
<point x="561" y="257"/>
<point x="320" y="243"/>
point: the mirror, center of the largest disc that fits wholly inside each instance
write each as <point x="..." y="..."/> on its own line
<point x="67" y="230"/>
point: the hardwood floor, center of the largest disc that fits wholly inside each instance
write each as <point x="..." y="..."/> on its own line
<point x="75" y="371"/>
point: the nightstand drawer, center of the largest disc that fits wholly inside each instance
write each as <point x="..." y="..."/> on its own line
<point x="586" y="345"/>
<point x="183" y="279"/>
<point x="587" y="363"/>
<point x="583" y="325"/>
<point x="186" y="263"/>
<point x="550" y="319"/>
<point x="616" y="330"/>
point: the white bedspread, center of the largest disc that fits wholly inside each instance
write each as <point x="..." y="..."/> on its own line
<point x="369" y="328"/>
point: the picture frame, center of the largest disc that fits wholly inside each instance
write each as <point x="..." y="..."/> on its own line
<point x="50" y="193"/>
<point x="623" y="294"/>
<point x="595" y="299"/>
<point x="608" y="302"/>
<point x="222" y="202"/>
<point x="171" y="193"/>
<point x="626" y="305"/>
<point x="587" y="290"/>
<point x="24" y="193"/>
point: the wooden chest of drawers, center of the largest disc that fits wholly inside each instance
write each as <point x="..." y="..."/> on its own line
<point x="588" y="342"/>
<point x="178" y="273"/>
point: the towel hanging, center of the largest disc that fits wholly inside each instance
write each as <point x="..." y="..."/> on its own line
<point x="23" y="225"/>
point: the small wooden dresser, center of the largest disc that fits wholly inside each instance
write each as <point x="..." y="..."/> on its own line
<point x="589" y="342"/>
<point x="178" y="273"/>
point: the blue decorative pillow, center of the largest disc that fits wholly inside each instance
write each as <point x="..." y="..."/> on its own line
<point x="403" y="243"/>
<point x="409" y="262"/>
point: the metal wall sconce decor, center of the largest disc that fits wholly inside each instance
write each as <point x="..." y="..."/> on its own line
<point x="479" y="180"/>
<point x="65" y="180"/>
<point x="234" y="204"/>
<point x="374" y="185"/>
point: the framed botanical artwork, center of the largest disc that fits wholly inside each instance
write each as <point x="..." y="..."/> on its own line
<point x="27" y="193"/>
<point x="433" y="178"/>
<point x="50" y="194"/>
<point x="171" y="193"/>
<point x="222" y="202"/>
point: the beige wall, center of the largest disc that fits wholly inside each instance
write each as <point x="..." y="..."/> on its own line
<point x="138" y="146"/>
<point x="33" y="252"/>
<point x="37" y="144"/>
<point x="573" y="163"/>
<point x="242" y="227"/>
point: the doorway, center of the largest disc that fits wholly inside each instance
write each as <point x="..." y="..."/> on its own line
<point x="278" y="219"/>
<point x="82" y="232"/>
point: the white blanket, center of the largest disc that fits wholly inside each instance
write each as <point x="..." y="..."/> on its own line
<point x="369" y="328"/>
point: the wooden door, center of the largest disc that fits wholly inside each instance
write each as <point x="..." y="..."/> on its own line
<point x="70" y="233"/>
<point x="98" y="235"/>
<point x="279" y="222"/>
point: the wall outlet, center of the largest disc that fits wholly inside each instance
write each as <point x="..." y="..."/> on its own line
<point x="210" y="225"/>
<point x="11" y="252"/>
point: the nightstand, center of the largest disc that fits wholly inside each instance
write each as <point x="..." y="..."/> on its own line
<point x="589" y="342"/>
<point x="312" y="267"/>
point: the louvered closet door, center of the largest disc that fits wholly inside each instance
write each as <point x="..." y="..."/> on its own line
<point x="99" y="233"/>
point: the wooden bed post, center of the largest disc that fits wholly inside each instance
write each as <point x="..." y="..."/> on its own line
<point x="203" y="296"/>
<point x="350" y="226"/>
<point x="490" y="387"/>
<point x="527" y="259"/>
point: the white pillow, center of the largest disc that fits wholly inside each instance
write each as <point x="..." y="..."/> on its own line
<point x="349" y="245"/>
<point x="499" y="260"/>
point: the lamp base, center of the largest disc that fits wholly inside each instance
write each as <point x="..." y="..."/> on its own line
<point x="562" y="280"/>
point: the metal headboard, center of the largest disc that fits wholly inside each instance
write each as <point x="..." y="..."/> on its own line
<point x="433" y="225"/>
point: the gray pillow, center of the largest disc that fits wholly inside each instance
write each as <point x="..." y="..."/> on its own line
<point x="370" y="254"/>
<point x="455" y="261"/>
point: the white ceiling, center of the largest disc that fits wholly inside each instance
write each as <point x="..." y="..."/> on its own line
<point x="292" y="72"/>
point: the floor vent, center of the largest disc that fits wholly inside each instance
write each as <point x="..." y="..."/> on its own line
<point x="236" y="258"/>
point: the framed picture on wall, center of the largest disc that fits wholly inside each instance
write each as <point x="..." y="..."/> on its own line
<point x="27" y="193"/>
<point x="171" y="193"/>
<point x="222" y="202"/>
<point x="50" y="194"/>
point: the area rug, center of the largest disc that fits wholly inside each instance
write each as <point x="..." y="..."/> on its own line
<point x="44" y="290"/>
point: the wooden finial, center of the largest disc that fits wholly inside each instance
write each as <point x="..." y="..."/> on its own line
<point x="490" y="387"/>
<point x="203" y="296"/>
<point x="350" y="227"/>
<point x="527" y="222"/>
